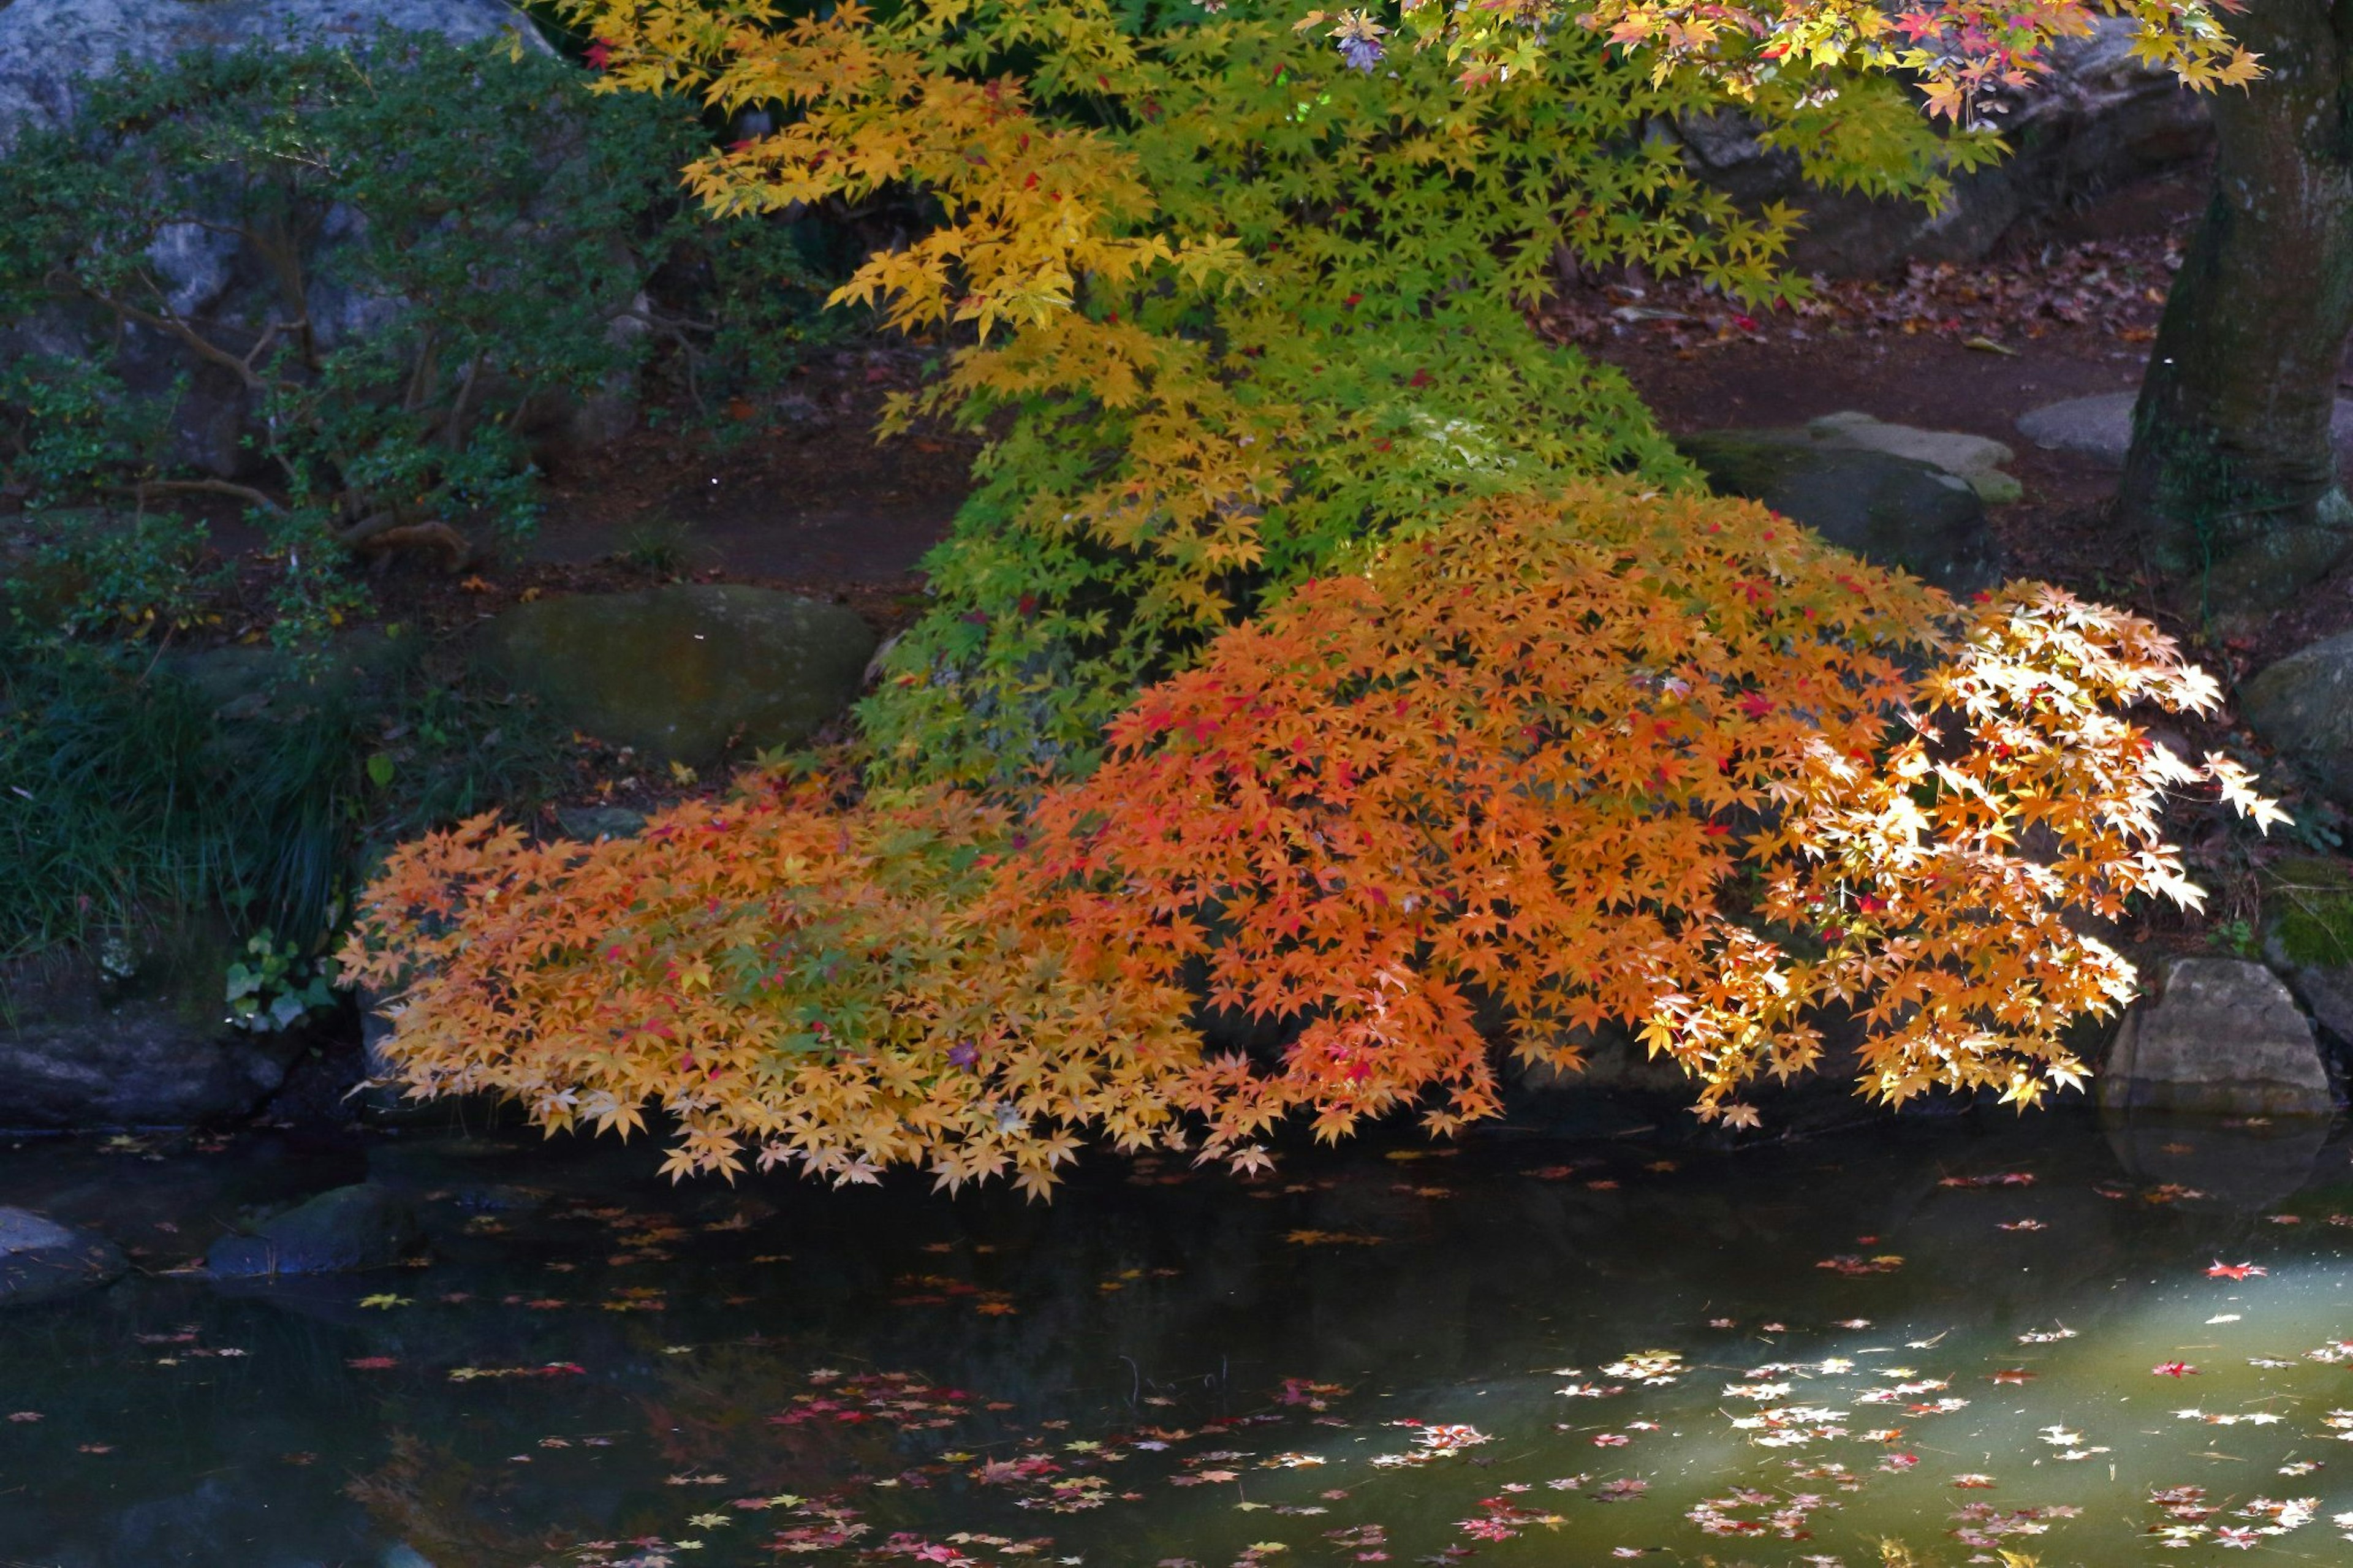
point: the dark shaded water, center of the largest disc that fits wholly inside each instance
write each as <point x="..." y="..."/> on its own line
<point x="1362" y="1360"/>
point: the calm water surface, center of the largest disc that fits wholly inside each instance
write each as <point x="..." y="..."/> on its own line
<point x="1971" y="1336"/>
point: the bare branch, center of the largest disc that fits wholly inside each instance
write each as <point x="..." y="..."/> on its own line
<point x="267" y="503"/>
<point x="384" y="531"/>
<point x="172" y="326"/>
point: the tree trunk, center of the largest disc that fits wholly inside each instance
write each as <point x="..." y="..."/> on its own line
<point x="2232" y="477"/>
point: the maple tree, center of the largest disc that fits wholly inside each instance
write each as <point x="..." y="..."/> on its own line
<point x="1605" y="756"/>
<point x="1326" y="647"/>
<point x="1232" y="286"/>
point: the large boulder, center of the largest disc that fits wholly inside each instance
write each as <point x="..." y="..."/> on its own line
<point x="48" y="46"/>
<point x="2303" y="706"/>
<point x="41" y="1260"/>
<point x="338" y="1232"/>
<point x="142" y="1065"/>
<point x="2223" y="1035"/>
<point x="2098" y="119"/>
<point x="2100" y="427"/>
<point x="682" y="672"/>
<point x="1891" y="511"/>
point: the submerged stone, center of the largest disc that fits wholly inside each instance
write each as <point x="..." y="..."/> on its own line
<point x="42" y="1260"/>
<point x="346" y="1229"/>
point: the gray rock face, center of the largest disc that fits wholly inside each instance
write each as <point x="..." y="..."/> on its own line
<point x="2098" y="121"/>
<point x="46" y="45"/>
<point x="1891" y="511"/>
<point x="41" y="1260"/>
<point x="338" y="1232"/>
<point x="2224" y="1036"/>
<point x="681" y="672"/>
<point x="2100" y="427"/>
<point x="2327" y="994"/>
<point x="2304" y="706"/>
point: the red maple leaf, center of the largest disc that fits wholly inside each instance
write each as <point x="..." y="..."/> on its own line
<point x="2174" y="1369"/>
<point x="2233" y="1270"/>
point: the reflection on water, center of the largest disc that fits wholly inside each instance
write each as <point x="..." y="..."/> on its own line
<point x="2023" y="1335"/>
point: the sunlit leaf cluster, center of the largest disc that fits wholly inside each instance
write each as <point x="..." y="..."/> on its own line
<point x="1962" y="51"/>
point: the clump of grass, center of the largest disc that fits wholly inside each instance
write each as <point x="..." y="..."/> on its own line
<point x="130" y="798"/>
<point x="657" y="542"/>
<point x="110" y="811"/>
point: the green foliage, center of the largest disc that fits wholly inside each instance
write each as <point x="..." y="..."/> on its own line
<point x="2236" y="938"/>
<point x="111" y="815"/>
<point x="67" y="429"/>
<point x="420" y="249"/>
<point x="280" y="987"/>
<point x="100" y="574"/>
<point x="751" y="298"/>
<point x="136" y="794"/>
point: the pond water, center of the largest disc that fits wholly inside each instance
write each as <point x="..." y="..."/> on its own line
<point x="1972" y="1336"/>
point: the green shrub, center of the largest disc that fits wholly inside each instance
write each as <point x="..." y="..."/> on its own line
<point x="429" y="250"/>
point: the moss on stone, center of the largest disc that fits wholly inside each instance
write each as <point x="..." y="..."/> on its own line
<point x="2308" y="910"/>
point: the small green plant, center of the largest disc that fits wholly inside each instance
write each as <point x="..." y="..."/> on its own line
<point x="95" y="573"/>
<point x="278" y="985"/>
<point x="2236" y="938"/>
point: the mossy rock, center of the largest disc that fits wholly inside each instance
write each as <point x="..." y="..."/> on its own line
<point x="1891" y="511"/>
<point x="2303" y="705"/>
<point x="338" y="1232"/>
<point x="684" y="672"/>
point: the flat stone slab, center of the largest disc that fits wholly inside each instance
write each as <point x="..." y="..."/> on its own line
<point x="1979" y="460"/>
<point x="2100" y="427"/>
<point x="2223" y="1036"/>
<point x="1891" y="511"/>
<point x="683" y="671"/>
